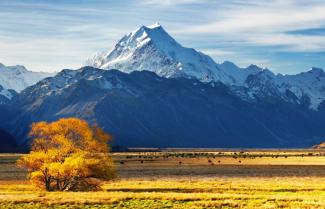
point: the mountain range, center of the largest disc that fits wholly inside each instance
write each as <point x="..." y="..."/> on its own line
<point x="151" y="48"/>
<point x="150" y="91"/>
<point x="14" y="79"/>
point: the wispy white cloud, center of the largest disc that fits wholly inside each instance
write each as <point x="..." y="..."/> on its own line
<point x="170" y="2"/>
<point x="267" y="24"/>
<point x="217" y="52"/>
<point x="287" y="42"/>
<point x="49" y="35"/>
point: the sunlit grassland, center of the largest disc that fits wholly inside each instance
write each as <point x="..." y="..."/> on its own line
<point x="251" y="192"/>
<point x="262" y="179"/>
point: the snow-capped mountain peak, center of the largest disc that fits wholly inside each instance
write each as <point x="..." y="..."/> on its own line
<point x="310" y="83"/>
<point x="155" y="25"/>
<point x="18" y="78"/>
<point x="152" y="48"/>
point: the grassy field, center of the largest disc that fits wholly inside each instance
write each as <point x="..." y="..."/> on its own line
<point x="186" y="179"/>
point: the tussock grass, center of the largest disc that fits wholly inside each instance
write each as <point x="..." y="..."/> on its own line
<point x="160" y="182"/>
<point x="282" y="192"/>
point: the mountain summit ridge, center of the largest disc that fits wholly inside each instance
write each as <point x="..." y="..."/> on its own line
<point x="151" y="48"/>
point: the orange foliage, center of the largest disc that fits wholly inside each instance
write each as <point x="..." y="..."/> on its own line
<point x="68" y="155"/>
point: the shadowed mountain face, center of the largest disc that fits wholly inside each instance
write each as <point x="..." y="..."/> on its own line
<point x="7" y="142"/>
<point x="142" y="109"/>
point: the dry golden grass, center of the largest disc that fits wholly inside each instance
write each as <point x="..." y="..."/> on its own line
<point x="262" y="179"/>
<point x="302" y="192"/>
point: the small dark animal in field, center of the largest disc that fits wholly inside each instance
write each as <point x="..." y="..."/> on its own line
<point x="180" y="163"/>
<point x="141" y="161"/>
<point x="209" y="161"/>
<point x="219" y="161"/>
<point x="122" y="162"/>
<point x="239" y="161"/>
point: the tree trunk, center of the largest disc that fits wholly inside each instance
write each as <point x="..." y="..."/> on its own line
<point x="47" y="183"/>
<point x="58" y="187"/>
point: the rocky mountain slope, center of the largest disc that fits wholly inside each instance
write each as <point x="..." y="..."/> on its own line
<point x="7" y="142"/>
<point x="143" y="109"/>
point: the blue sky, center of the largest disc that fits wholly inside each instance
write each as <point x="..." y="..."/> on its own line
<point x="286" y="36"/>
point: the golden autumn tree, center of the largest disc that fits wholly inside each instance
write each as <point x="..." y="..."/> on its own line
<point x="68" y="155"/>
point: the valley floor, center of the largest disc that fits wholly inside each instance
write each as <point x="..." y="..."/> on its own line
<point x="191" y="179"/>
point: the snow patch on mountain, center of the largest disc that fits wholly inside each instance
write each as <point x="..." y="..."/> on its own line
<point x="6" y="93"/>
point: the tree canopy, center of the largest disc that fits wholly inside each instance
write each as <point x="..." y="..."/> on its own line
<point x="68" y="154"/>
